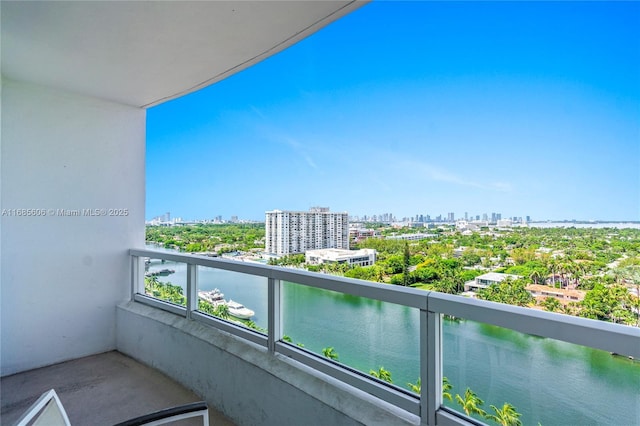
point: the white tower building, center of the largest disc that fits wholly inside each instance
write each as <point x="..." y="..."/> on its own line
<point x="292" y="232"/>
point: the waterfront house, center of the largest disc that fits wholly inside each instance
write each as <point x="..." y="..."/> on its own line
<point x="564" y="296"/>
<point x="485" y="280"/>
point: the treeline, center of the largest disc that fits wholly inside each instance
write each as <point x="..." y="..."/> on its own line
<point x="218" y="238"/>
<point x="605" y="262"/>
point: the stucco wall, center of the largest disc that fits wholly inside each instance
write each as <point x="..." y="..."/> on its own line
<point x="62" y="276"/>
<point x="243" y="380"/>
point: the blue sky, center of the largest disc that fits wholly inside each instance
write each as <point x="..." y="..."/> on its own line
<point x="418" y="108"/>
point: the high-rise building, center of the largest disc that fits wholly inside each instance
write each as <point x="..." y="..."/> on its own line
<point x="292" y="232"/>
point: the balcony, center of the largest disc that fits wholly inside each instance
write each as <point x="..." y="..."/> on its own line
<point x="256" y="377"/>
<point x="231" y="365"/>
<point x="74" y="94"/>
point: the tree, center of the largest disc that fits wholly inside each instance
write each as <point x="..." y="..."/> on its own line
<point x="507" y="291"/>
<point x="382" y="374"/>
<point x="330" y="353"/>
<point x="405" y="265"/>
<point x="417" y="387"/>
<point x="471" y="403"/>
<point x="446" y="389"/>
<point x="551" y="304"/>
<point x="535" y="276"/>
<point x="221" y="311"/>
<point x="505" y="416"/>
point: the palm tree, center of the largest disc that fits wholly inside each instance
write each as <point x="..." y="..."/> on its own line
<point x="471" y="403"/>
<point x="551" y="304"/>
<point x="535" y="276"/>
<point x="417" y="387"/>
<point x="446" y="388"/>
<point x="382" y="374"/>
<point x="330" y="353"/>
<point x="505" y="416"/>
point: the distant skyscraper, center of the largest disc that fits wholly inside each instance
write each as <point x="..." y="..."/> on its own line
<point x="466" y="216"/>
<point x="451" y="217"/>
<point x="291" y="232"/>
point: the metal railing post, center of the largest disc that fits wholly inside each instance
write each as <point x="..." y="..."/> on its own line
<point x="275" y="314"/>
<point x="192" y="288"/>
<point x="137" y="275"/>
<point x="430" y="401"/>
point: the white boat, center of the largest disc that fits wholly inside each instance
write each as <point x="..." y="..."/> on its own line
<point x="238" y="310"/>
<point x="215" y="297"/>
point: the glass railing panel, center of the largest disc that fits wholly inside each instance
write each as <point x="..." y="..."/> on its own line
<point x="367" y="335"/>
<point x="166" y="280"/>
<point x="546" y="381"/>
<point x="234" y="296"/>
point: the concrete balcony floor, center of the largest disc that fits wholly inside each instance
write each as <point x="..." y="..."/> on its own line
<point x="101" y="389"/>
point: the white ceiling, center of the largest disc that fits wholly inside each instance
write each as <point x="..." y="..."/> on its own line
<point x="142" y="53"/>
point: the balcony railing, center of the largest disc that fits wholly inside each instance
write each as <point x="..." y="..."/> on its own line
<point x="430" y="305"/>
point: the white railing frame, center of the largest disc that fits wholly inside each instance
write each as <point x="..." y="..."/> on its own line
<point x="431" y="305"/>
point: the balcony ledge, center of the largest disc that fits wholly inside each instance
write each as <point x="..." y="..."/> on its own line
<point x="243" y="380"/>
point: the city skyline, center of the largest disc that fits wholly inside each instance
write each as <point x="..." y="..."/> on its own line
<point x="418" y="108"/>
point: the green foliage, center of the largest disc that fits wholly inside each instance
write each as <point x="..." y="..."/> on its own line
<point x="382" y="374"/>
<point x="208" y="237"/>
<point x="395" y="264"/>
<point x="471" y="403"/>
<point x="551" y="304"/>
<point x="508" y="291"/>
<point x="470" y="258"/>
<point x="611" y="303"/>
<point x="469" y="274"/>
<point x="505" y="416"/>
<point x="164" y="291"/>
<point x="289" y="260"/>
<point x="330" y="353"/>
<point x="368" y="273"/>
<point x="446" y="389"/>
<point x="415" y="388"/>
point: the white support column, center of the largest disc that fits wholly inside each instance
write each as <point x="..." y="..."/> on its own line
<point x="192" y="289"/>
<point x="275" y="314"/>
